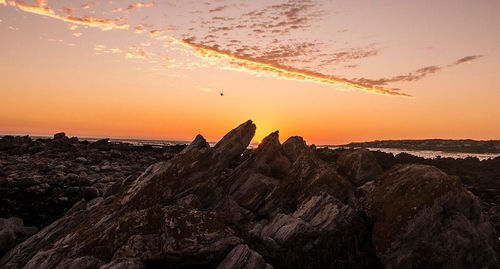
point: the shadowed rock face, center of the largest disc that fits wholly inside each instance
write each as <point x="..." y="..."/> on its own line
<point x="423" y="217"/>
<point x="277" y="205"/>
<point x="359" y="165"/>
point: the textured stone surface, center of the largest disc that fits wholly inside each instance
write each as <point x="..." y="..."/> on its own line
<point x="425" y="218"/>
<point x="283" y="205"/>
<point x="359" y="165"/>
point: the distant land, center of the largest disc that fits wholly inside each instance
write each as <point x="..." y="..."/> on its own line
<point x="445" y="145"/>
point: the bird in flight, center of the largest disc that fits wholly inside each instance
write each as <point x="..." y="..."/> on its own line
<point x="221" y="94"/>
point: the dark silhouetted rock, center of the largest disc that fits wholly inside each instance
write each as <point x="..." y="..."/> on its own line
<point x="60" y="136"/>
<point x="293" y="147"/>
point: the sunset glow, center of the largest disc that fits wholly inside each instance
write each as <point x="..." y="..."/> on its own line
<point x="330" y="71"/>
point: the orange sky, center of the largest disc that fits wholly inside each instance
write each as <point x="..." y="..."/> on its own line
<point x="330" y="71"/>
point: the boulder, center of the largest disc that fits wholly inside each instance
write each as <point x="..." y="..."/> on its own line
<point x="360" y="165"/>
<point x="60" y="136"/>
<point x="242" y="257"/>
<point x="425" y="218"/>
<point x="12" y="231"/>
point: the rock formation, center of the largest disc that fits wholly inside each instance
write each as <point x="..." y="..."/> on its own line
<point x="279" y="205"/>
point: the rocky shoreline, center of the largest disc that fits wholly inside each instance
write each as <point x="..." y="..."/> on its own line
<point x="41" y="179"/>
<point x="445" y="145"/>
<point x="105" y="205"/>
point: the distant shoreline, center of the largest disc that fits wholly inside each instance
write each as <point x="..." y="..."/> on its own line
<point x="442" y="145"/>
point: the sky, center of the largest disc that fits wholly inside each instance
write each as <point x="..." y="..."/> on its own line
<point x="330" y="71"/>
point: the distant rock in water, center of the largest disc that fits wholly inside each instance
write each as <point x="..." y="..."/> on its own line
<point x="278" y="205"/>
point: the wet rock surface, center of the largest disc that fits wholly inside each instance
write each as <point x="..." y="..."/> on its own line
<point x="280" y="205"/>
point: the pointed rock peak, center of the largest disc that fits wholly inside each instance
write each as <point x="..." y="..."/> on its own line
<point x="241" y="135"/>
<point x="235" y="142"/>
<point x="271" y="139"/>
<point x="293" y="147"/>
<point x="198" y="143"/>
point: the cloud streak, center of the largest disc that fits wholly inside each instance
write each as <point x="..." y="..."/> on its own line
<point x="41" y="8"/>
<point x="417" y="75"/>
<point x="466" y="59"/>
<point x="283" y="72"/>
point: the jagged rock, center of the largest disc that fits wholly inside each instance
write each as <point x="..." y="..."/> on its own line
<point x="141" y="216"/>
<point x="242" y="257"/>
<point x="233" y="207"/>
<point x="234" y="142"/>
<point x="359" y="165"/>
<point x="293" y="147"/>
<point x="425" y="218"/>
<point x="86" y="262"/>
<point x="321" y="213"/>
<point x="307" y="176"/>
<point x="190" y="200"/>
<point x="12" y="231"/>
<point x="256" y="177"/>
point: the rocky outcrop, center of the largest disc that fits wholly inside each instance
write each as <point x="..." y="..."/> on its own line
<point x="41" y="179"/>
<point x="13" y="231"/>
<point x="425" y="218"/>
<point x="293" y="147"/>
<point x="278" y="205"/>
<point x="359" y="165"/>
<point x="242" y="257"/>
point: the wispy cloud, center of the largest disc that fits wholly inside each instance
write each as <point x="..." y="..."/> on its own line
<point x="137" y="53"/>
<point x="41" y="8"/>
<point x="466" y="59"/>
<point x="204" y="89"/>
<point x="416" y="75"/>
<point x="261" y="68"/>
<point x="139" y="5"/>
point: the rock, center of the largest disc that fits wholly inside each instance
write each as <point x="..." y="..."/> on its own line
<point x="234" y="143"/>
<point x="71" y="177"/>
<point x="293" y="147"/>
<point x="425" y="218"/>
<point x="307" y="176"/>
<point x="359" y="165"/>
<point x="242" y="257"/>
<point x="124" y="264"/>
<point x="12" y="230"/>
<point x="89" y="193"/>
<point x="143" y="220"/>
<point x="81" y="159"/>
<point x="229" y="206"/>
<point x="190" y="200"/>
<point x="17" y="226"/>
<point x="60" y="136"/>
<point x="256" y="177"/>
<point x="7" y="240"/>
<point x="86" y="262"/>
